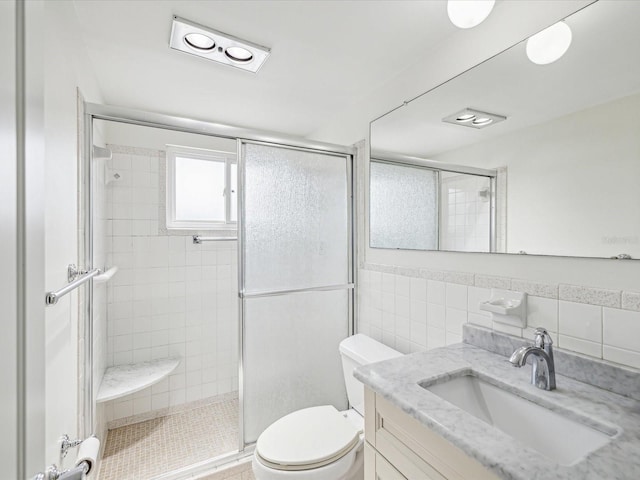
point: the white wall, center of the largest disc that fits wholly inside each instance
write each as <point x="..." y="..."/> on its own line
<point x="509" y="23"/>
<point x="66" y="68"/>
<point x="8" y="236"/>
<point x="572" y="181"/>
<point x="417" y="300"/>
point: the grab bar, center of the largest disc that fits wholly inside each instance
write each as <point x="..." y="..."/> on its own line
<point x="51" y="298"/>
<point x="198" y="239"/>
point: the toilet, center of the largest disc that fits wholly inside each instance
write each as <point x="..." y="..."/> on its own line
<point x="322" y="443"/>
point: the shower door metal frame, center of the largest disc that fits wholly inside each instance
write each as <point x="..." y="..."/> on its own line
<point x="93" y="111"/>
<point x="351" y="256"/>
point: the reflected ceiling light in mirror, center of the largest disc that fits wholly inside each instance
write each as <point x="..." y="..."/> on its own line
<point x="465" y="117"/>
<point x="470" y="117"/>
<point x="550" y="44"/>
<point x="469" y="13"/>
<point x="482" y="121"/>
<point x="189" y="37"/>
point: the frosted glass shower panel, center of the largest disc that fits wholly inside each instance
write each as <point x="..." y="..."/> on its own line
<point x="404" y="207"/>
<point x="291" y="358"/>
<point x="295" y="219"/>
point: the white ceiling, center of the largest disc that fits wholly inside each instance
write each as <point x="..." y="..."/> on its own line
<point x="599" y="66"/>
<point x="326" y="56"/>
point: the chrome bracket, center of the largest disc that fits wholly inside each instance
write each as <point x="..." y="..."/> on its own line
<point x="66" y="444"/>
<point x="72" y="272"/>
<point x="622" y="256"/>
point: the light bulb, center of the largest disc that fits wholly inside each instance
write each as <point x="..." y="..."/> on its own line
<point x="469" y="13"/>
<point x="550" y="44"/>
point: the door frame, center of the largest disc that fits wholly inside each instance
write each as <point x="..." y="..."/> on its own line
<point x="22" y="240"/>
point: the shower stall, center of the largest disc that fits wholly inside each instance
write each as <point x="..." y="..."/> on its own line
<point x="198" y="336"/>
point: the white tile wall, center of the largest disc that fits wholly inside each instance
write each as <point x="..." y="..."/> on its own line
<point x="594" y="330"/>
<point x="170" y="297"/>
<point x="621" y="336"/>
<point x="465" y="215"/>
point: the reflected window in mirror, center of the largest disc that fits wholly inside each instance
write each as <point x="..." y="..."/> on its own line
<point x="413" y="207"/>
<point x="404" y="207"/>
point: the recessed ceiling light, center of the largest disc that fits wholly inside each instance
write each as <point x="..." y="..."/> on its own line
<point x="465" y="117"/>
<point x="469" y="13"/>
<point x="239" y="54"/>
<point x="199" y="41"/>
<point x="550" y="44"/>
<point x="473" y="118"/>
<point x="189" y="37"/>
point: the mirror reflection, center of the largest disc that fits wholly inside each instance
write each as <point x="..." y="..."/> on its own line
<point x="555" y="143"/>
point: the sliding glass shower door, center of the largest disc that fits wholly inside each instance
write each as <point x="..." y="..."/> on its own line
<point x="295" y="280"/>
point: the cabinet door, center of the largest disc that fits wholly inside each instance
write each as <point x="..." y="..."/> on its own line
<point x="385" y="471"/>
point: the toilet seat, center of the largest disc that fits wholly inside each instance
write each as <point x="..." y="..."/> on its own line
<point x="307" y="439"/>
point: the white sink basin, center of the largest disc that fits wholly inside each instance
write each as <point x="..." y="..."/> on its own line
<point x="561" y="439"/>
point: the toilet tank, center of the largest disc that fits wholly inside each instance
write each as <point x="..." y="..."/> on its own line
<point x="360" y="350"/>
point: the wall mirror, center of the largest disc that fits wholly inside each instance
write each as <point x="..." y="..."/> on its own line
<point x="518" y="157"/>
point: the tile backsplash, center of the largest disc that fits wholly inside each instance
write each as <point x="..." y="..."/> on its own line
<point x="414" y="310"/>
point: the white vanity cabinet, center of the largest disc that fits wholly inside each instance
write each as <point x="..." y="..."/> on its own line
<point x="399" y="447"/>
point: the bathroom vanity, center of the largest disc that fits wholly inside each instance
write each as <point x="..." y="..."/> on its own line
<point x="400" y="447"/>
<point x="463" y="412"/>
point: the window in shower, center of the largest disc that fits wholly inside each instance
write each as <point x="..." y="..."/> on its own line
<point x="201" y="189"/>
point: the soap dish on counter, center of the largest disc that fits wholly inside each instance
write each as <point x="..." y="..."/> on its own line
<point x="507" y="306"/>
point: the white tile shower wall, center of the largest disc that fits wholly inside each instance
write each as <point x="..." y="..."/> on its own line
<point x="438" y="309"/>
<point x="170" y="297"/>
<point x="465" y="207"/>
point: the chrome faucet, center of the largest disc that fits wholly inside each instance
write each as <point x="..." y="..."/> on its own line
<point x="543" y="373"/>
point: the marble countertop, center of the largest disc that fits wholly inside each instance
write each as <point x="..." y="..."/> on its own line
<point x="398" y="380"/>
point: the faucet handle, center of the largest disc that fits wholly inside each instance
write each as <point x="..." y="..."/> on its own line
<point x="542" y="337"/>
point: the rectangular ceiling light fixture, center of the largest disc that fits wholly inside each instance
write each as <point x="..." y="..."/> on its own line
<point x="189" y="37"/>
<point x="473" y="118"/>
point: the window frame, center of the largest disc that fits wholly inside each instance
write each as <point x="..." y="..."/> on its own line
<point x="227" y="158"/>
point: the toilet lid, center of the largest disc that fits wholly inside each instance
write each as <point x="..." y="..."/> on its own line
<point x="311" y="437"/>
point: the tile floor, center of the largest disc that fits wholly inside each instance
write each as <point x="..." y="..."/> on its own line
<point x="153" y="447"/>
